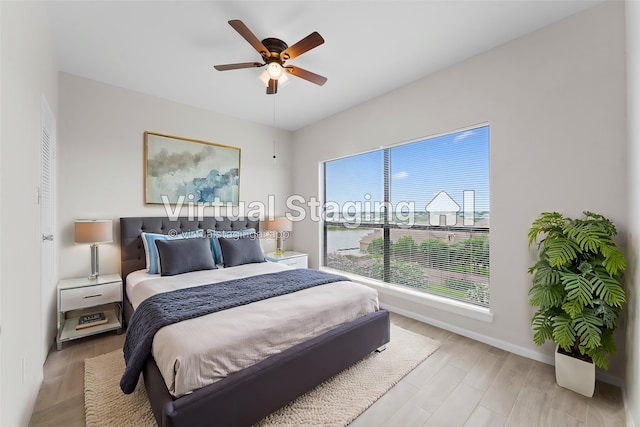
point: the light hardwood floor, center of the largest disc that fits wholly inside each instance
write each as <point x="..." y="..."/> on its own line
<point x="464" y="383"/>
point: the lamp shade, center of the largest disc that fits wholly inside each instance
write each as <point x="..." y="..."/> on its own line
<point x="93" y="230"/>
<point x="280" y="223"/>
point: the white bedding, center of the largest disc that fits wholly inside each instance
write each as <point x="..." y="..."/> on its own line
<point x="198" y="352"/>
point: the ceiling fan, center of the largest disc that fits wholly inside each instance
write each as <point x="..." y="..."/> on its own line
<point x="274" y="53"/>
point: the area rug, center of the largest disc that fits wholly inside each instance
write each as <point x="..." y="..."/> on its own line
<point x="336" y="402"/>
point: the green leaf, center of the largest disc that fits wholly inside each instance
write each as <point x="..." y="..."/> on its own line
<point x="563" y="333"/>
<point x="541" y="325"/>
<point x="609" y="290"/>
<point x="587" y="326"/>
<point x="573" y="308"/>
<point x="546" y="295"/>
<point x="588" y="236"/>
<point x="585" y="268"/>
<point x="604" y="222"/>
<point x="608" y="343"/>
<point x="543" y="273"/>
<point x="561" y="251"/>
<point x="605" y="312"/>
<point x="599" y="357"/>
<point x="547" y="222"/>
<point x="614" y="260"/>
<point x="599" y="354"/>
<point x="578" y="288"/>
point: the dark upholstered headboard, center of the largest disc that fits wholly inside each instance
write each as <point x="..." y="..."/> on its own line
<point x="132" y="256"/>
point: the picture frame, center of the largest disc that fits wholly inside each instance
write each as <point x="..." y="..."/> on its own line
<point x="184" y="170"/>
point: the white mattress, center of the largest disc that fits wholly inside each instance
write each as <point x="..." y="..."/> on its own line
<point x="198" y="352"/>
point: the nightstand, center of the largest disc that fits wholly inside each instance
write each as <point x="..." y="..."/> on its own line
<point x="290" y="258"/>
<point x="81" y="296"/>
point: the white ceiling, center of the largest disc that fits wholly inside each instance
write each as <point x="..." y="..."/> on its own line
<point x="168" y="48"/>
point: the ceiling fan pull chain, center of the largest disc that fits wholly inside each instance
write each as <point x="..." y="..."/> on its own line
<point x="274" y="129"/>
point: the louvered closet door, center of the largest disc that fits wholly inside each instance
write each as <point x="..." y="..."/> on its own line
<point x="47" y="227"/>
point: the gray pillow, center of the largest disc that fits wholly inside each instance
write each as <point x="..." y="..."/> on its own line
<point x="241" y="250"/>
<point x="185" y="255"/>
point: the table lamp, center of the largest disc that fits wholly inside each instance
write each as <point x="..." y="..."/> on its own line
<point x="93" y="231"/>
<point x="279" y="225"/>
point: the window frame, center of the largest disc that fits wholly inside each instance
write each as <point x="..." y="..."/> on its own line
<point x="447" y="303"/>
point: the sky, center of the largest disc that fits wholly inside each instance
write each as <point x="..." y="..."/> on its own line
<point x="419" y="171"/>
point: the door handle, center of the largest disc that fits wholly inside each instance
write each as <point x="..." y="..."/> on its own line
<point x="48" y="237"/>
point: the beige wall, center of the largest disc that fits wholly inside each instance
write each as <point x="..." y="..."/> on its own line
<point x="101" y="150"/>
<point x="632" y="373"/>
<point x="29" y="71"/>
<point x="555" y="101"/>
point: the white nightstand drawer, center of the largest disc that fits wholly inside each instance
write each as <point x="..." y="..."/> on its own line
<point x="297" y="262"/>
<point x="290" y="258"/>
<point x="89" y="296"/>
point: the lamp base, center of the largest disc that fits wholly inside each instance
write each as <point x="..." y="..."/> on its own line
<point x="94" y="262"/>
<point x="279" y="243"/>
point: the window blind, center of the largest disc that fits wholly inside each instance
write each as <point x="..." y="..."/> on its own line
<point x="414" y="215"/>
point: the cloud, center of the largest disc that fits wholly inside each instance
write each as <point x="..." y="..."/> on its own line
<point x="164" y="163"/>
<point x="463" y="136"/>
<point x="400" y="175"/>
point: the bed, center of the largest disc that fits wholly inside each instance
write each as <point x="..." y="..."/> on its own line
<point x="248" y="395"/>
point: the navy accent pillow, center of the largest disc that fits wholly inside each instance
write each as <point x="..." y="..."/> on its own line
<point x="184" y="255"/>
<point x="148" y="240"/>
<point x="216" y="234"/>
<point x="241" y="250"/>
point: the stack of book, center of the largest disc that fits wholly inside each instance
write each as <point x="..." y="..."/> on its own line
<point x="91" y="320"/>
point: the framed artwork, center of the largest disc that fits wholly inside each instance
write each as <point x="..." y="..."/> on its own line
<point x="182" y="170"/>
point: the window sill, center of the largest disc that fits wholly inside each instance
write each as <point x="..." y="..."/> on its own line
<point x="441" y="303"/>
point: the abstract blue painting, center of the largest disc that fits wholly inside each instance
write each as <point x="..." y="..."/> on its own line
<point x="186" y="170"/>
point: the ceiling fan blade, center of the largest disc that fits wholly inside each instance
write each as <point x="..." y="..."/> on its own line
<point x="272" y="89"/>
<point x="306" y="44"/>
<point x="307" y="75"/>
<point x="227" y="67"/>
<point x="245" y="32"/>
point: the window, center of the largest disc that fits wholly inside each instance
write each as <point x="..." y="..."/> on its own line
<point x="414" y="215"/>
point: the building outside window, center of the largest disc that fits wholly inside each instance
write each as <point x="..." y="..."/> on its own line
<point x="414" y="215"/>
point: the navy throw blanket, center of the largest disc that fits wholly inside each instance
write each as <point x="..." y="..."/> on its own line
<point x="171" y="307"/>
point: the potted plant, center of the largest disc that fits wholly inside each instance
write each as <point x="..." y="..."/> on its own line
<point x="578" y="293"/>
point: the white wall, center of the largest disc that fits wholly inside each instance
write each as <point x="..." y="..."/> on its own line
<point x="555" y="101"/>
<point x="632" y="373"/>
<point x="28" y="71"/>
<point x="101" y="165"/>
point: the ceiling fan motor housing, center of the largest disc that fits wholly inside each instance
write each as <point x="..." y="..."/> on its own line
<point x="275" y="47"/>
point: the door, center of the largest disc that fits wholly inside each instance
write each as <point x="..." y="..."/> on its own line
<point x="48" y="273"/>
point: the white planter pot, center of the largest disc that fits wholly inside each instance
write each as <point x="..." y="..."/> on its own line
<point x="575" y="374"/>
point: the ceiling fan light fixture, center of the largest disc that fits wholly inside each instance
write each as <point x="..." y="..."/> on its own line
<point x="275" y="70"/>
<point x="265" y="76"/>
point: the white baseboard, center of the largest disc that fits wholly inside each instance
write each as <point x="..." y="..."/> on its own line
<point x="503" y="345"/>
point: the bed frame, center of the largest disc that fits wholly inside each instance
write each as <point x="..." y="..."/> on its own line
<point x="247" y="396"/>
